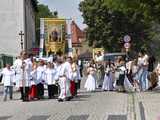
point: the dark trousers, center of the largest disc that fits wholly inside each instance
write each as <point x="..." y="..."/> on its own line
<point x="51" y="91"/>
<point x="120" y="81"/>
<point x="56" y="89"/>
<point x="79" y="84"/>
<point x="76" y="87"/>
<point x="40" y="90"/>
<point x="24" y="93"/>
<point x="81" y="72"/>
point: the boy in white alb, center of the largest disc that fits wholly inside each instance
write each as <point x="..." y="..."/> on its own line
<point x="63" y="80"/>
<point x="7" y="80"/>
<point x="17" y="68"/>
<point x="49" y="75"/>
<point x="40" y="80"/>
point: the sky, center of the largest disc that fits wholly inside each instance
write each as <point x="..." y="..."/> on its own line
<point x="66" y="9"/>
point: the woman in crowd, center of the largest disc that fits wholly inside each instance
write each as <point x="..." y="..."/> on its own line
<point x="75" y="75"/>
<point x="108" y="78"/>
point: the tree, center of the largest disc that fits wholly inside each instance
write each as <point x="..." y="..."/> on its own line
<point x="107" y="27"/>
<point x="149" y="11"/>
<point x="43" y="12"/>
<point x="109" y="20"/>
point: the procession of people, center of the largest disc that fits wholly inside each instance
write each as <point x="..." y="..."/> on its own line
<point x="29" y="76"/>
<point x="62" y="75"/>
<point x="136" y="74"/>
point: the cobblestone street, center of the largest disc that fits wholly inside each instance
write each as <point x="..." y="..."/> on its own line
<point x="87" y="106"/>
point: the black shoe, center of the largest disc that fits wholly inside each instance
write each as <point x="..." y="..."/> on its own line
<point x="26" y="100"/>
<point x="60" y="100"/>
<point x="67" y="99"/>
<point x="99" y="86"/>
<point x="71" y="97"/>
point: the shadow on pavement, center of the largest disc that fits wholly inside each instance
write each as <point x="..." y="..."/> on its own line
<point x="84" y="96"/>
<point x="41" y="117"/>
<point x="78" y="117"/>
<point x="81" y="98"/>
<point x="117" y="117"/>
<point x="5" y="117"/>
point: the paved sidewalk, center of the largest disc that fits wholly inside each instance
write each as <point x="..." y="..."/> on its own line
<point x="87" y="106"/>
<point x="148" y="105"/>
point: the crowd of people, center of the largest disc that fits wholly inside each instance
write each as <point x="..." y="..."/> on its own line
<point x="61" y="75"/>
<point x="137" y="74"/>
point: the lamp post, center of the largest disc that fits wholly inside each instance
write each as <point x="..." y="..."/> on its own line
<point x="23" y="80"/>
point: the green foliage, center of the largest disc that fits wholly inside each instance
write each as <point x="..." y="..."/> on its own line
<point x="34" y="3"/>
<point x="109" y="20"/>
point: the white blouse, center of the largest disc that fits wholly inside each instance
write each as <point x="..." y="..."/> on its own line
<point x="50" y="76"/>
<point x="8" y="77"/>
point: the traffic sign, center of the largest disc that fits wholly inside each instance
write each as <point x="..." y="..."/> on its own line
<point x="127" y="45"/>
<point x="127" y="38"/>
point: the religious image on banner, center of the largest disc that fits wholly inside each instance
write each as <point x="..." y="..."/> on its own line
<point x="54" y="33"/>
<point x="98" y="54"/>
<point x="54" y="29"/>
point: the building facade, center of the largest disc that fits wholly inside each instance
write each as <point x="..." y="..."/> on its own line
<point x="16" y="16"/>
<point x="78" y="37"/>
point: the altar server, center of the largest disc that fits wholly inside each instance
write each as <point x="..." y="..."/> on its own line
<point x="50" y="73"/>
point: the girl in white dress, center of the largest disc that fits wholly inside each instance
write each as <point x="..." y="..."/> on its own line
<point x="108" y="80"/>
<point x="90" y="84"/>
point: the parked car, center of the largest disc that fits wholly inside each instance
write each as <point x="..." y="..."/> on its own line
<point x="113" y="56"/>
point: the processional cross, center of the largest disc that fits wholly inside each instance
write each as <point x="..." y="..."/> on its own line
<point x="21" y="34"/>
